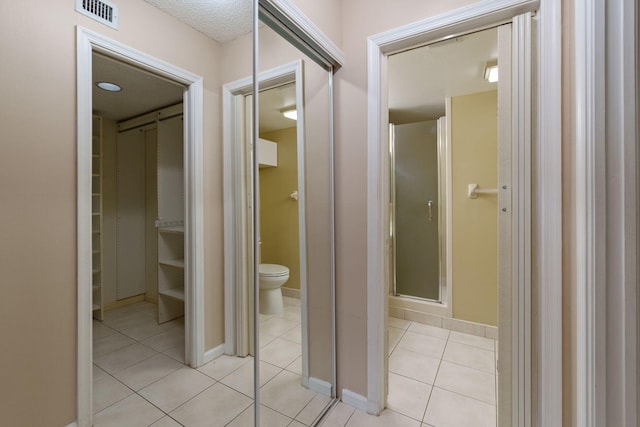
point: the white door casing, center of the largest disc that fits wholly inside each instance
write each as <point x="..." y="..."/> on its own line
<point x="544" y="239"/>
<point x="88" y="42"/>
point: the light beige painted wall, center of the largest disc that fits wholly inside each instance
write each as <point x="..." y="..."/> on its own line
<point x="325" y="15"/>
<point x="38" y="192"/>
<point x="279" y="231"/>
<point x="474" y="240"/>
<point x="360" y="19"/>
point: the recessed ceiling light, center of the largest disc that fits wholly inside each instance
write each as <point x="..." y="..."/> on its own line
<point x="291" y="114"/>
<point x="491" y="72"/>
<point x="109" y="87"/>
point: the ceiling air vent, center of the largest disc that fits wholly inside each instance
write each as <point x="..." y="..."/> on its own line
<point x="99" y="10"/>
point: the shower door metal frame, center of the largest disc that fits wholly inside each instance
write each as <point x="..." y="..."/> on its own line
<point x="442" y="144"/>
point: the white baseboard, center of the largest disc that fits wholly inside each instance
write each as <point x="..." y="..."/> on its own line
<point x="73" y="424"/>
<point x="320" y="386"/>
<point x="215" y="352"/>
<point x="354" y="399"/>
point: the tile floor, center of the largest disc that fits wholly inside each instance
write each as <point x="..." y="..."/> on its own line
<point x="140" y="378"/>
<point x="437" y="378"/>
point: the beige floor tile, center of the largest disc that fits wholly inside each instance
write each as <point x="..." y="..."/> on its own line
<point x="124" y="357"/>
<point x="285" y="394"/>
<point x="121" y="320"/>
<point x="110" y="343"/>
<point x="313" y="409"/>
<point x="166" y="421"/>
<point x="469" y="356"/>
<point x="291" y="301"/>
<point x="224" y="365"/>
<point x="485" y="343"/>
<point x="280" y="352"/>
<point x="172" y="338"/>
<point x="394" y="322"/>
<point x="423" y="344"/>
<point x="242" y="378"/>
<point x="147" y="308"/>
<point x="294" y="335"/>
<point x="107" y="391"/>
<point x="408" y="397"/>
<point x="266" y="339"/>
<point x="292" y="312"/>
<point x="296" y="424"/>
<point x="466" y="381"/>
<point x="148" y="371"/>
<point x="386" y="419"/>
<point x="394" y="338"/>
<point x="295" y="366"/>
<point x="131" y="411"/>
<point x="176" y="388"/>
<point x="433" y="331"/>
<point x="176" y="353"/>
<point x="414" y="365"/>
<point x="215" y="407"/>
<point x="338" y="416"/>
<point x="98" y="373"/>
<point x="143" y="330"/>
<point x="277" y="326"/>
<point x="268" y="418"/>
<point x="100" y="330"/>
<point x="447" y="409"/>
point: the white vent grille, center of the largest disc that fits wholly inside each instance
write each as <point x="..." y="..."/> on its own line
<point x="100" y="10"/>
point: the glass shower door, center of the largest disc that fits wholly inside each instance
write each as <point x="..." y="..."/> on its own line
<point x="415" y="190"/>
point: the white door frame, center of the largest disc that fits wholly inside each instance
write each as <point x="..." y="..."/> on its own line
<point x="88" y="42"/>
<point x="237" y="196"/>
<point x="538" y="163"/>
<point x="606" y="212"/>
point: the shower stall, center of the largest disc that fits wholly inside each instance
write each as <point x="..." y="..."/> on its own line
<point x="417" y="173"/>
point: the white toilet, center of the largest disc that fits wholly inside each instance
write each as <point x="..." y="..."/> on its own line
<point x="272" y="277"/>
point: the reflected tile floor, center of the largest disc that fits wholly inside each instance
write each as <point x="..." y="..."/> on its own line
<point x="437" y="378"/>
<point x="139" y="376"/>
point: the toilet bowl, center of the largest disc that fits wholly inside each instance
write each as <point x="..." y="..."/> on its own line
<point x="271" y="278"/>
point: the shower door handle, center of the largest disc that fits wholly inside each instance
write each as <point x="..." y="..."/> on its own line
<point x="429" y="206"/>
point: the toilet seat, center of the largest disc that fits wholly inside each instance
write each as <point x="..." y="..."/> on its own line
<point x="272" y="270"/>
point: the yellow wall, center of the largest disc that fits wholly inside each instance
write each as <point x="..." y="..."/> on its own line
<point x="279" y="231"/>
<point x="474" y="156"/>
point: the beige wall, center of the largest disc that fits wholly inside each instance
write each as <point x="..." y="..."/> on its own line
<point x="474" y="159"/>
<point x="38" y="192"/>
<point x="360" y="19"/>
<point x="279" y="231"/>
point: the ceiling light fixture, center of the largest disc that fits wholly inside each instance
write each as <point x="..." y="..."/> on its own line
<point x="491" y="71"/>
<point x="290" y="114"/>
<point x="109" y="87"/>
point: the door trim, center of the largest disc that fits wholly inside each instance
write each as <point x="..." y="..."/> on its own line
<point x="88" y="42"/>
<point x="235" y="209"/>
<point x="545" y="241"/>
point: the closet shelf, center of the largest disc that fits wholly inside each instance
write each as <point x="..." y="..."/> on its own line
<point x="95" y="287"/>
<point x="175" y="293"/>
<point x="96" y="307"/>
<point x="96" y="270"/>
<point x="178" y="229"/>
<point x="177" y="263"/>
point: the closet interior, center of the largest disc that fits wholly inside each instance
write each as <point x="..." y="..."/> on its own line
<point x="138" y="212"/>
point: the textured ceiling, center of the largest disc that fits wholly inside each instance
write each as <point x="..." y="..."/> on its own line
<point x="222" y="20"/>
<point x="421" y="79"/>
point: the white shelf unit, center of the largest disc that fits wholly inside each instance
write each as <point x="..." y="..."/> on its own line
<point x="170" y="273"/>
<point x="96" y="219"/>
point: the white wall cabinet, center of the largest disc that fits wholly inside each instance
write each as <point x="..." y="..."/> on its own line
<point x="96" y="218"/>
